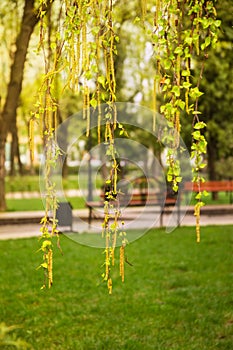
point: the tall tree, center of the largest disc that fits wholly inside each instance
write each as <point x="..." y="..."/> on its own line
<point x="217" y="84"/>
<point x="7" y="116"/>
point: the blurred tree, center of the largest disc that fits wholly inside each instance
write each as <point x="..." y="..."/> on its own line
<point x="8" y="112"/>
<point x="216" y="105"/>
<point x="10" y="27"/>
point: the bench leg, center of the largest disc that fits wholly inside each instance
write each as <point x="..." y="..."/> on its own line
<point x="161" y="216"/>
<point x="90" y="216"/>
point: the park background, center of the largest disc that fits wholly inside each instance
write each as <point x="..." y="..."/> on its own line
<point x="177" y="295"/>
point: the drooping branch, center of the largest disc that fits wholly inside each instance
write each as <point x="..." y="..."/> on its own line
<point x="182" y="33"/>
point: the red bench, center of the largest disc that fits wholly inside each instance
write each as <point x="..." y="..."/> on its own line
<point x="141" y="195"/>
<point x="212" y="187"/>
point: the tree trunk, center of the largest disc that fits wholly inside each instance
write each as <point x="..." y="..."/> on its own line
<point x="20" y="164"/>
<point x="29" y="20"/>
<point x="2" y="171"/>
<point x="17" y="69"/>
<point x="12" y="171"/>
<point x="15" y="153"/>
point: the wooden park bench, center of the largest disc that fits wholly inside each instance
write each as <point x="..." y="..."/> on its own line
<point x="212" y="187"/>
<point x="140" y="195"/>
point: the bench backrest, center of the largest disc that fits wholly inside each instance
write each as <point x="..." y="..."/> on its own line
<point x="146" y="191"/>
<point x="210" y="186"/>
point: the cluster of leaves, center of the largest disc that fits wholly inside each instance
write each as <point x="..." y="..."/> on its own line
<point x="183" y="31"/>
<point x="216" y="104"/>
<point x="83" y="45"/>
<point x="112" y="226"/>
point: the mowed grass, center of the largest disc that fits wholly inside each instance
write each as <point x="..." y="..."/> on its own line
<point x="177" y="295"/>
<point x="34" y="204"/>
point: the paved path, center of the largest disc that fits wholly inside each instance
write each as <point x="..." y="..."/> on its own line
<point x="135" y="218"/>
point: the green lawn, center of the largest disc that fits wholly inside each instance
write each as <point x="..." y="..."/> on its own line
<point x="177" y="295"/>
<point x="33" y="204"/>
<point x="25" y="204"/>
<point x="79" y="203"/>
<point x="29" y="183"/>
